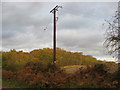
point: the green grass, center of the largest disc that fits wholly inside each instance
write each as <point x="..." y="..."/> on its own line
<point x="94" y="85"/>
<point x="13" y="84"/>
<point x="0" y="82"/>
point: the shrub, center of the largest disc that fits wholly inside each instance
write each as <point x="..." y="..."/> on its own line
<point x="7" y="74"/>
<point x="52" y="67"/>
<point x="100" y="68"/>
<point x="37" y="66"/>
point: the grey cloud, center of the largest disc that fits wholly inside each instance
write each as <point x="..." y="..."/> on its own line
<point x="79" y="39"/>
<point x="89" y="9"/>
<point x="77" y="22"/>
<point x="22" y="19"/>
<point x="84" y="15"/>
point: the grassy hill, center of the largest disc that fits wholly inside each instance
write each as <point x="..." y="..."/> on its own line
<point x="15" y="60"/>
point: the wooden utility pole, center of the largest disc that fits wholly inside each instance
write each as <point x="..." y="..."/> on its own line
<point x="54" y="33"/>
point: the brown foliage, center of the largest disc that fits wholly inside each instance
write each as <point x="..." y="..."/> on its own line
<point x="87" y="77"/>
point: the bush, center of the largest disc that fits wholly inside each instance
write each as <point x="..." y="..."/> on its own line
<point x="100" y="68"/>
<point x="37" y="66"/>
<point x="7" y="74"/>
<point x="52" y="68"/>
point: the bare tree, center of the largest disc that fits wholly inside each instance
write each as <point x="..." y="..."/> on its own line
<point x="112" y="35"/>
<point x="112" y="42"/>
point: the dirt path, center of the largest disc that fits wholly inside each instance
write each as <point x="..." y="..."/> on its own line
<point x="73" y="69"/>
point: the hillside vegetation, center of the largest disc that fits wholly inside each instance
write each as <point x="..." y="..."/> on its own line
<point x="15" y="60"/>
<point x="34" y="70"/>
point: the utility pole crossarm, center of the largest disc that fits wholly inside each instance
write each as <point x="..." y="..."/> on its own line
<point x="55" y="9"/>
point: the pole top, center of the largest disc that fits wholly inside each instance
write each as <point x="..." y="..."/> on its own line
<point x="55" y="9"/>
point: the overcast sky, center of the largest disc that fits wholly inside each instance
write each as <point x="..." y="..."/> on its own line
<point x="79" y="26"/>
